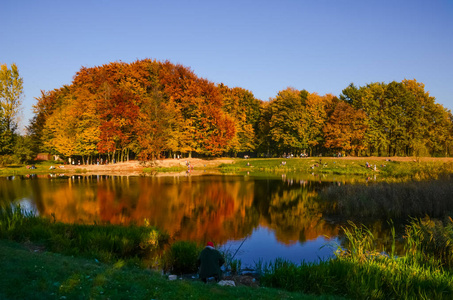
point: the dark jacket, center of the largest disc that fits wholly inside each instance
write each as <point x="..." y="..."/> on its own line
<point x="210" y="261"/>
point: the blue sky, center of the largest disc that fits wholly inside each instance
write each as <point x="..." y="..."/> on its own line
<point x="263" y="46"/>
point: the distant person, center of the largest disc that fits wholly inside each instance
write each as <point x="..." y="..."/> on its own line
<point x="210" y="261"/>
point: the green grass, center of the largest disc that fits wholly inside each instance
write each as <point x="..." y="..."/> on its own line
<point x="170" y="169"/>
<point x="386" y="170"/>
<point x="26" y="274"/>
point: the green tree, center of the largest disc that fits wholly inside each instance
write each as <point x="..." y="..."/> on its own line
<point x="23" y="149"/>
<point x="288" y="125"/>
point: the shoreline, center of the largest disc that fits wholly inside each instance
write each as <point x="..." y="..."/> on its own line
<point x="178" y="167"/>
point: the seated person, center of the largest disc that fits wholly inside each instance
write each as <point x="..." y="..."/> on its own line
<point x="210" y="261"/>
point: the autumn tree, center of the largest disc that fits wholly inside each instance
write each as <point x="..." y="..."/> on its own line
<point x="199" y="102"/>
<point x="147" y="108"/>
<point x="59" y="132"/>
<point x="345" y="129"/>
<point x="317" y="109"/>
<point x="244" y="108"/>
<point x="11" y="86"/>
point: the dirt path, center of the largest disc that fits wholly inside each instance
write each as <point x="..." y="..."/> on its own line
<point x="135" y="166"/>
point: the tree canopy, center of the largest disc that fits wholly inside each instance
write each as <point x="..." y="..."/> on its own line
<point x="150" y="109"/>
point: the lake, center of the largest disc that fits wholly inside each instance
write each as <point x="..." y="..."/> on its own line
<point x="256" y="218"/>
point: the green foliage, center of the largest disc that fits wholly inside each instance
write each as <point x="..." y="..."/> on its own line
<point x="23" y="149"/>
<point x="181" y="257"/>
<point x="6" y="160"/>
<point x="402" y="119"/>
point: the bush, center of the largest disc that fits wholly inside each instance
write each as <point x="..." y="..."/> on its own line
<point x="181" y="258"/>
<point x="6" y="160"/>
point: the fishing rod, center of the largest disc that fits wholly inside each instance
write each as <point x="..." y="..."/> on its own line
<point x="239" y="248"/>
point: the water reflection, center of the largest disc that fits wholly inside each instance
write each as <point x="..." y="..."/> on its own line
<point x="224" y="209"/>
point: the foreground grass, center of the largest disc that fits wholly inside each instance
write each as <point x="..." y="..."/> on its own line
<point x="43" y="275"/>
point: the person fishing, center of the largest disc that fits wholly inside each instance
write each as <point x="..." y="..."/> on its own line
<point x="209" y="261"/>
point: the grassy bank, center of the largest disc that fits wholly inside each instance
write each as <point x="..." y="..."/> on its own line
<point x="26" y="274"/>
<point x="43" y="259"/>
<point x="394" y="170"/>
<point x="105" y="243"/>
<point x="42" y="167"/>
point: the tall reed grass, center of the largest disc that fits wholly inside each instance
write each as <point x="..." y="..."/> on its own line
<point x="430" y="242"/>
<point x="390" y="200"/>
<point x="361" y="271"/>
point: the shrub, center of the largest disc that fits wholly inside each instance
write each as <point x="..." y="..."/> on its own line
<point x="181" y="257"/>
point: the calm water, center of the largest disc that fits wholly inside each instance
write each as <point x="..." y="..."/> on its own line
<point x="263" y="218"/>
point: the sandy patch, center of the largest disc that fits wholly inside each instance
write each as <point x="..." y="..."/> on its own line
<point x="136" y="167"/>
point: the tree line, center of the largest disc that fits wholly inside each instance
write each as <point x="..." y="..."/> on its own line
<point x="150" y="109"/>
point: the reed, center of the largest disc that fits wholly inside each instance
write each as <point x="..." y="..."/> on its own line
<point x="430" y="242"/>
<point x="390" y="200"/>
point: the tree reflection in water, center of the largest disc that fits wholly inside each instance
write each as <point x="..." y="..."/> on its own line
<point x="197" y="208"/>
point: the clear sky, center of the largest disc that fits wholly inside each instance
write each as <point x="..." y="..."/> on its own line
<point x="263" y="46"/>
